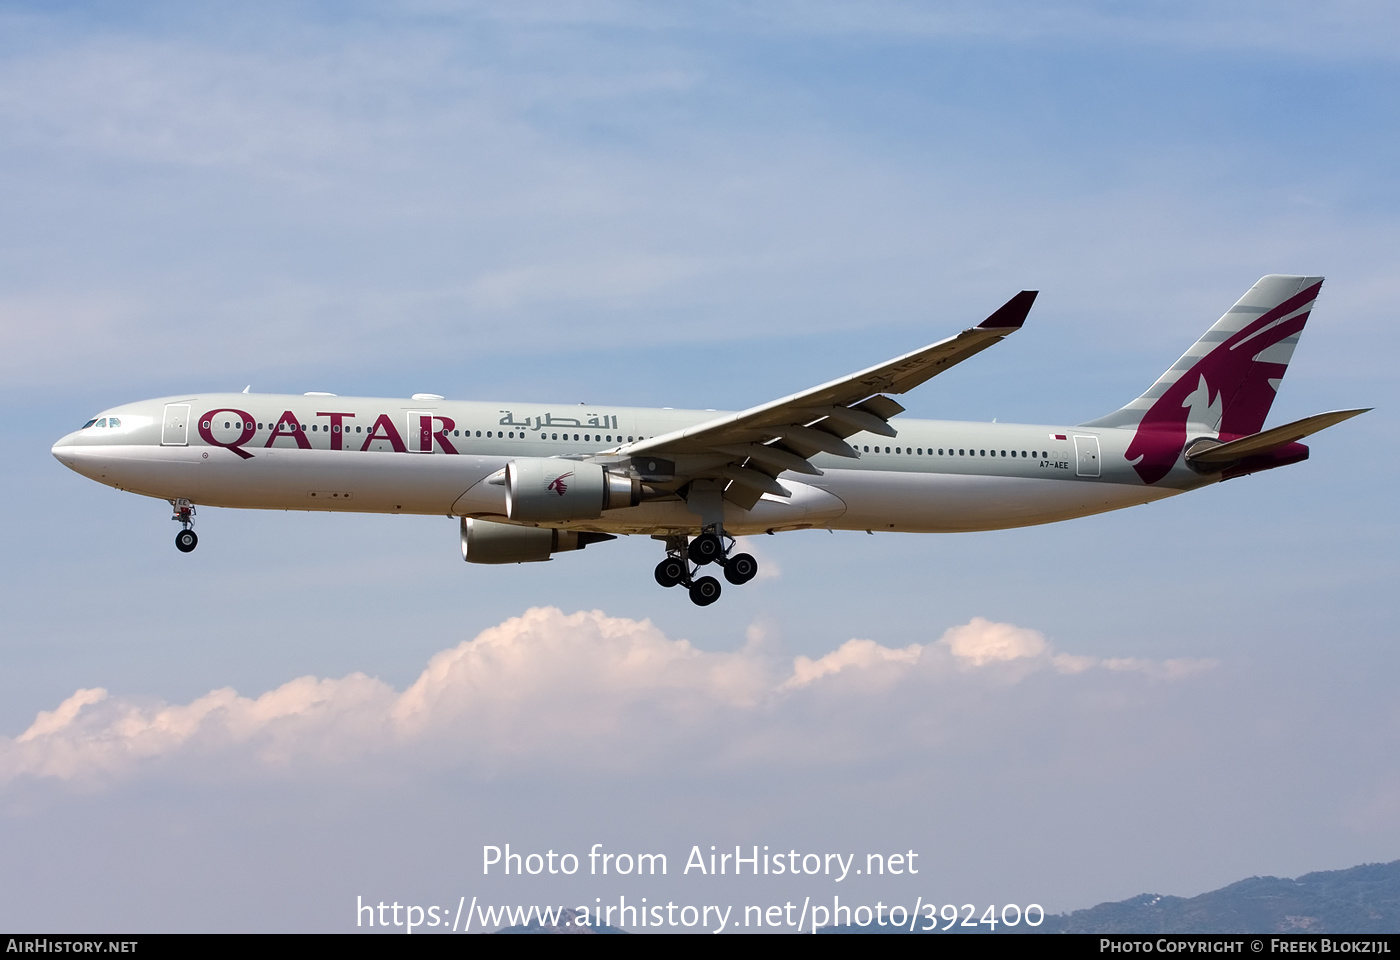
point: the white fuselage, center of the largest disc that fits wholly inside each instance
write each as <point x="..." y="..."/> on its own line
<point x="436" y="457"/>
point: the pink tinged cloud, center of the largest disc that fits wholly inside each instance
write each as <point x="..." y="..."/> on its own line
<point x="615" y="691"/>
<point x="981" y="642"/>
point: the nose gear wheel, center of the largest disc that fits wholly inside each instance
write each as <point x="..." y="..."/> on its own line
<point x="186" y="540"/>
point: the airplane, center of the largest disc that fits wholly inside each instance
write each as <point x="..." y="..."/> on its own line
<point x="529" y="480"/>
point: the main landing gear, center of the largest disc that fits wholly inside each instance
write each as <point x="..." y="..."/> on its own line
<point x="684" y="560"/>
<point x="186" y="540"/>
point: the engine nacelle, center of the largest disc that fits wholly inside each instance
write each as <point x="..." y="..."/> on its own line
<point x="540" y="489"/>
<point x="484" y="541"/>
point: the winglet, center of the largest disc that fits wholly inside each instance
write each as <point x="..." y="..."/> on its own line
<point x="1012" y="313"/>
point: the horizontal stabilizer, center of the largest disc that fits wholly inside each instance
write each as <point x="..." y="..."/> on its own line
<point x="1204" y="451"/>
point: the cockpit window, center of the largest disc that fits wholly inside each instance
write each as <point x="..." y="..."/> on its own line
<point x="113" y="422"/>
<point x="88" y="424"/>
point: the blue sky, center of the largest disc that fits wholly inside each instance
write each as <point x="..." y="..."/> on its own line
<point x="705" y="206"/>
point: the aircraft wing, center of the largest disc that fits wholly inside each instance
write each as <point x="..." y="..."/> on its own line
<point x="751" y="448"/>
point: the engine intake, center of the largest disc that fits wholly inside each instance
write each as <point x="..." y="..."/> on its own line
<point x="485" y="541"/>
<point x="540" y="489"/>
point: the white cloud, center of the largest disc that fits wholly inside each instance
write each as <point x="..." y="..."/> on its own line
<point x="851" y="655"/>
<point x="583" y="688"/>
<point x="53" y="721"/>
<point x="981" y="642"/>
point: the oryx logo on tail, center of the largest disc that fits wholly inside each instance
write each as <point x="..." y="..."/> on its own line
<point x="1224" y="385"/>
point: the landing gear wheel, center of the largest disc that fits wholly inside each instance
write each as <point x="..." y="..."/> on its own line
<point x="740" y="568"/>
<point x="186" y="540"/>
<point x="704" y="591"/>
<point x="670" y="572"/>
<point x="706" y="548"/>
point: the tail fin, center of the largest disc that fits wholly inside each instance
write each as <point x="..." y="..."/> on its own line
<point x="1224" y="385"/>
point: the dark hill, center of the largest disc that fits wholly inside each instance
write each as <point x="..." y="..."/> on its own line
<point x="1364" y="899"/>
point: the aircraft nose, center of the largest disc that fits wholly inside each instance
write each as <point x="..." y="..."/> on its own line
<point x="65" y="451"/>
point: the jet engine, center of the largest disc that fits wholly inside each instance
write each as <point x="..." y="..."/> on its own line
<point x="484" y="541"/>
<point x="541" y="489"/>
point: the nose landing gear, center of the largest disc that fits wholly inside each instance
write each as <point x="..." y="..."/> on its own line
<point x="683" y="561"/>
<point x="186" y="540"/>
